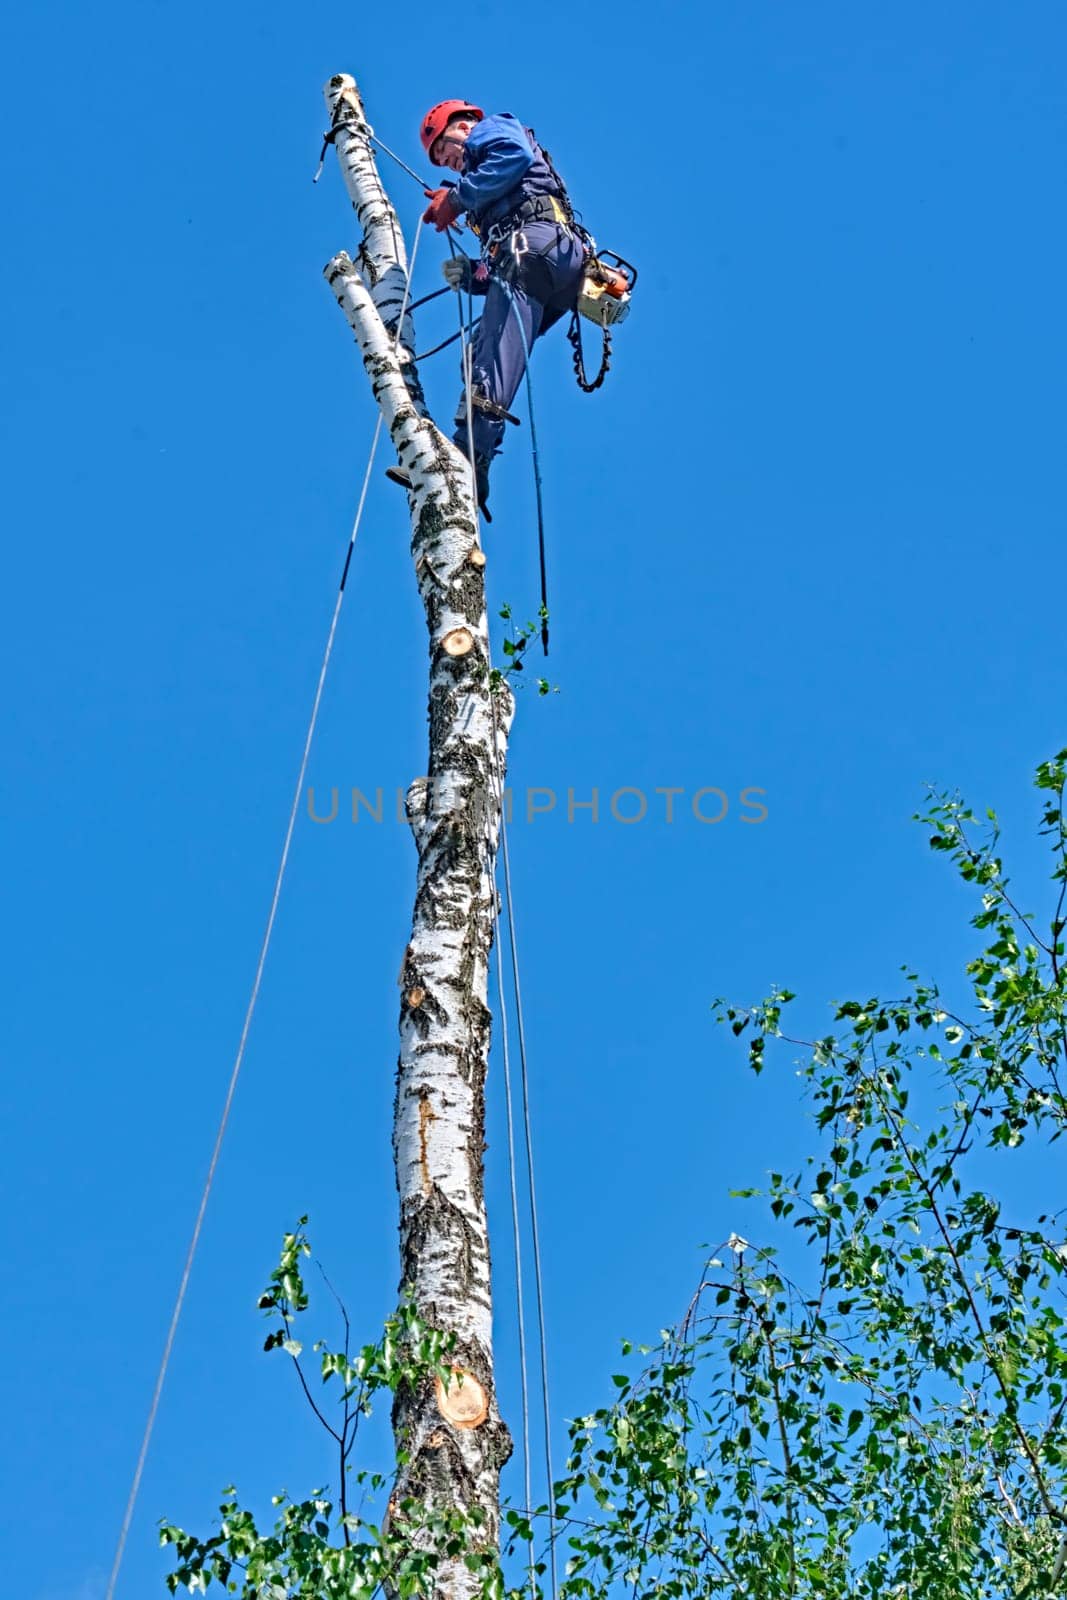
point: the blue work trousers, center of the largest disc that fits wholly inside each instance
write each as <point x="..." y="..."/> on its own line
<point x="543" y="285"/>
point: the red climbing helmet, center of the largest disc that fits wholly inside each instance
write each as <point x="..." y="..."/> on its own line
<point x="439" y="116"/>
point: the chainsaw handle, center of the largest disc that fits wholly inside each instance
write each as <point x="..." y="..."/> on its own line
<point x="619" y="263"/>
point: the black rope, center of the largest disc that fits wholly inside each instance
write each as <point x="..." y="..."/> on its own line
<point x="330" y="136"/>
<point x="536" y="455"/>
<point x="444" y="343"/>
<point x="437" y="293"/>
<point x="348" y="121"/>
<point x="409" y="170"/>
<point x="544" y="580"/>
<point x="348" y="563"/>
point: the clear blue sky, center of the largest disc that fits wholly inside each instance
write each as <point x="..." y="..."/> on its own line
<point x="809" y="538"/>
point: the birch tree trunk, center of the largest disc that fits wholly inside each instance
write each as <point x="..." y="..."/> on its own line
<point x="451" y="1441"/>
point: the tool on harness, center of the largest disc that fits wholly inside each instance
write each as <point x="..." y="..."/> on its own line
<point x="604" y="295"/>
<point x="604" y="298"/>
<point x="606" y="288"/>
<point x="487" y="407"/>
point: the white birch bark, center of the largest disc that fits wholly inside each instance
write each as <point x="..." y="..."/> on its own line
<point x="453" y="1439"/>
<point x="381" y="259"/>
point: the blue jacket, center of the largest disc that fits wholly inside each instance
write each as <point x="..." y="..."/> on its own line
<point x="503" y="165"/>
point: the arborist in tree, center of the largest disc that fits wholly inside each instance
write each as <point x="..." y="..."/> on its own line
<point x="533" y="254"/>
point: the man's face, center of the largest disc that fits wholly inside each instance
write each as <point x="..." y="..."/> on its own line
<point x="448" y="149"/>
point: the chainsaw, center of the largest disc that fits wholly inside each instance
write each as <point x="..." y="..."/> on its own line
<point x="606" y="289"/>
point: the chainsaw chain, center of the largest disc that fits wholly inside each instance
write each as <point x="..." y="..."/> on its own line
<point x="574" y="334"/>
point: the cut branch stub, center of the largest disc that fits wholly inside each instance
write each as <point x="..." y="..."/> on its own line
<point x="415" y="997"/>
<point x="464" y="1403"/>
<point x="458" y="642"/>
<point x="476" y="556"/>
<point x="342" y="96"/>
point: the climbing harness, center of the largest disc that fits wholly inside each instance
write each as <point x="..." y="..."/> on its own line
<point x="539" y="208"/>
<point x="605" y="291"/>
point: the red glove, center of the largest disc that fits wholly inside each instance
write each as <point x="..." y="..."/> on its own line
<point x="443" y="210"/>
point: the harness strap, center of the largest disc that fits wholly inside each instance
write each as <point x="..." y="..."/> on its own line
<point x="539" y="208"/>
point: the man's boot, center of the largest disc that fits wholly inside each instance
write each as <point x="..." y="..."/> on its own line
<point x="481" y="482"/>
<point x="401" y="476"/>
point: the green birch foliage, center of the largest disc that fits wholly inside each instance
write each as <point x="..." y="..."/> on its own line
<point x="324" y="1547"/>
<point x="886" y="1419"/>
<point x="898" y="1424"/>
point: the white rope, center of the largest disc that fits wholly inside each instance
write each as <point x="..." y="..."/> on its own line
<point x="512" y="1175"/>
<point x="253" y="998"/>
<point x="505" y="1031"/>
<point x="524" y="1078"/>
<point x="539" y="1294"/>
<point x="468" y="376"/>
<point x="516" y="1229"/>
